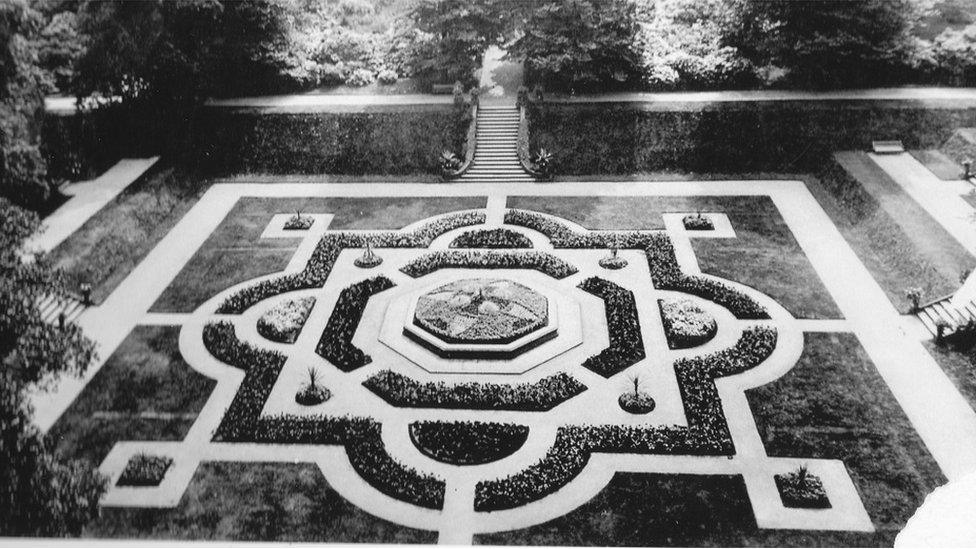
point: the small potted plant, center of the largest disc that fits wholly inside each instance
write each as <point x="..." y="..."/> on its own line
<point x="450" y="163"/>
<point x="543" y="163"/>
<point x="914" y="296"/>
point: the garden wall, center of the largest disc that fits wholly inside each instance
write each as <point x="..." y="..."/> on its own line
<point x="404" y="139"/>
<point x="619" y="138"/>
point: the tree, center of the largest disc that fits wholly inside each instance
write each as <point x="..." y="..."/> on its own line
<point x="39" y="494"/>
<point x="581" y="43"/>
<point x="829" y="43"/>
<point x="460" y="31"/>
<point x="23" y="172"/>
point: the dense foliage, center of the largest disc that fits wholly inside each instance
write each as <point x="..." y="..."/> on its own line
<point x="467" y="442"/>
<point x="491" y="238"/>
<point x="335" y="345"/>
<point x="802" y="489"/>
<point x="449" y="259"/>
<point x="284" y="321"/>
<point x="40" y="495"/>
<point x="685" y="323"/>
<point x="541" y="395"/>
<point x="623" y="327"/>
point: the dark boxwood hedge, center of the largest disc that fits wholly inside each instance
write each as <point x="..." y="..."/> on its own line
<point x="619" y="138"/>
<point x="491" y="238"/>
<point x="405" y="140"/>
<point x="335" y="345"/>
<point x="539" y="396"/>
<point x="626" y="343"/>
<point x="543" y="262"/>
<point x="467" y="442"/>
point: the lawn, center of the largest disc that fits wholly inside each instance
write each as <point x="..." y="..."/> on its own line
<point x="763" y="250"/>
<point x="256" y="502"/>
<point x="235" y="252"/>
<point x="145" y="391"/>
<point x="110" y="244"/>
<point x="958" y="366"/>
<point x="834" y="404"/>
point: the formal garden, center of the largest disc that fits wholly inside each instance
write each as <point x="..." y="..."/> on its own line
<point x="691" y="316"/>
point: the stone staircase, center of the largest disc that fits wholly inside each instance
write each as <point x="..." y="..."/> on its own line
<point x="496" y="150"/>
<point x="942" y="310"/>
<point x="51" y="307"/>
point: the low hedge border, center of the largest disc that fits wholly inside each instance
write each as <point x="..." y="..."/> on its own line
<point x="707" y="432"/>
<point x="685" y="324"/>
<point x="626" y="343"/>
<point x="327" y="251"/>
<point x="449" y="259"/>
<point x="335" y="345"/>
<point x="144" y="470"/>
<point x="661" y="259"/>
<point x="360" y="436"/>
<point x="467" y="442"/>
<point x="540" y="396"/>
<point x="492" y="238"/>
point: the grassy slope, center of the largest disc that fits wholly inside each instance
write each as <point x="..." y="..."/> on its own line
<point x="958" y="366"/>
<point x="110" y="244"/>
<point x="260" y="502"/>
<point x="939" y="164"/>
<point x="235" y="252"/>
<point x="763" y="250"/>
<point x="833" y="404"/>
<point x="145" y="374"/>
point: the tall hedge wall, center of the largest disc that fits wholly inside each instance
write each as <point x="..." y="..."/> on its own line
<point x="389" y="140"/>
<point x="619" y="138"/>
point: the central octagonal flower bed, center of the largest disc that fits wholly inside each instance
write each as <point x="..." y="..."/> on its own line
<point x="490" y="318"/>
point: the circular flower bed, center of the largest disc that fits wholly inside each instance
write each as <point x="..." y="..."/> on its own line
<point x="481" y="310"/>
<point x="636" y="403"/>
<point x="467" y="442"/>
<point x="283" y="322"/>
<point x="312" y="393"/>
<point x="686" y="324"/>
<point x="613" y="262"/>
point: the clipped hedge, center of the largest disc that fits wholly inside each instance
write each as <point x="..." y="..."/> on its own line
<point x="335" y="345"/>
<point x="283" y="322"/>
<point x="491" y="238"/>
<point x="539" y="396"/>
<point x="144" y="470"/>
<point x="467" y="442"/>
<point x="543" y="262"/>
<point x="685" y="324"/>
<point x="626" y="343"/>
<point x="394" y="140"/>
<point x="623" y="138"/>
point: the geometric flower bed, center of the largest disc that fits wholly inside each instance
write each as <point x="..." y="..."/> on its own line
<point x="482" y="311"/>
<point x="467" y="442"/>
<point x="492" y="238"/>
<point x="802" y="489"/>
<point x="335" y="345"/>
<point x="450" y="259"/>
<point x="542" y="395"/>
<point x="144" y="470"/>
<point x="626" y="344"/>
<point x="283" y="322"/>
<point x="685" y="323"/>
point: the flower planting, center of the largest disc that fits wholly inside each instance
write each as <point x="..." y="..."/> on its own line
<point x="697" y="222"/>
<point x="449" y="259"/>
<point x="312" y="393"/>
<point x="626" y="344"/>
<point x="283" y="322"/>
<point x="467" y="442"/>
<point x="538" y="396"/>
<point x="686" y="324"/>
<point x="335" y="344"/>
<point x="299" y="222"/>
<point x="802" y="489"/>
<point x="144" y="470"/>
<point x="492" y="238"/>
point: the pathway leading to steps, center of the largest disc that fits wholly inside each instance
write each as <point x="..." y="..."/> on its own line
<point x="496" y="148"/>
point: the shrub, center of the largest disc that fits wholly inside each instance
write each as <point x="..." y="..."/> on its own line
<point x="441" y="259"/>
<point x="698" y="222"/>
<point x="335" y="344"/>
<point x="491" y="238"/>
<point x="387" y="77"/>
<point x="538" y="396"/>
<point x="802" y="489"/>
<point x="144" y="470"/>
<point x="283" y="322"/>
<point x="360" y="78"/>
<point x="626" y="344"/>
<point x="467" y="442"/>
<point x="686" y="324"/>
<point x="636" y="403"/>
<point x="298" y="222"/>
<point x="312" y="393"/>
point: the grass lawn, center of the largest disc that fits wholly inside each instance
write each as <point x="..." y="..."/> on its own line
<point x="958" y="366"/>
<point x="260" y="502"/>
<point x="235" y="252"/>
<point x="110" y="244"/>
<point x="760" y="255"/>
<point x="834" y="404"/>
<point x="939" y="164"/>
<point x="145" y="391"/>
